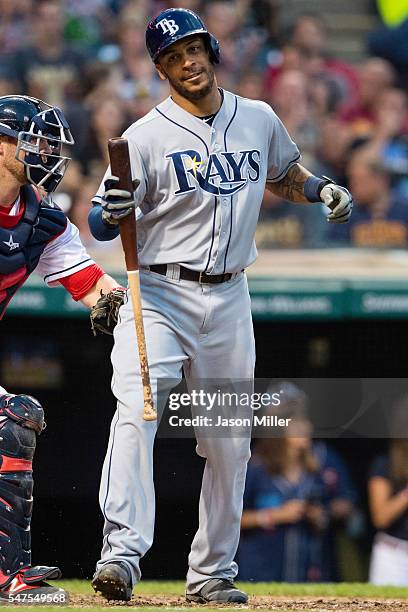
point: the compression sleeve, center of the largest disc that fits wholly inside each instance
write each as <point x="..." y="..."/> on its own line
<point x="99" y="229"/>
<point x="80" y="283"/>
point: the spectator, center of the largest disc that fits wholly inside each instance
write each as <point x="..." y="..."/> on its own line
<point x="251" y="86"/>
<point x="7" y="82"/>
<point x="86" y="22"/>
<point x="106" y="120"/>
<point x="48" y="68"/>
<point x="284" y="517"/>
<point x="101" y="81"/>
<point x="308" y="37"/>
<point x="291" y="102"/>
<point x="332" y="148"/>
<point x="379" y="218"/>
<point x="390" y="139"/>
<point x="137" y="82"/>
<point x="78" y="214"/>
<point x="388" y="502"/>
<point x="374" y="77"/>
<point x="341" y="498"/>
<point x="138" y="9"/>
<point x="14" y="24"/>
<point x="240" y="45"/>
<point x="283" y="225"/>
<point x="389" y="40"/>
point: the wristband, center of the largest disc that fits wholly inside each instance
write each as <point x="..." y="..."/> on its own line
<point x="313" y="186"/>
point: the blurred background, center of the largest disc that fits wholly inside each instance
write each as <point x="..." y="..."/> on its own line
<point x="327" y="301"/>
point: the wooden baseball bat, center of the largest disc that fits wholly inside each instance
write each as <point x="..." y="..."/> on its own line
<point x="120" y="167"/>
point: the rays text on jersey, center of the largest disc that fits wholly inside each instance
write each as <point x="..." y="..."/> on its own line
<point x="223" y="174"/>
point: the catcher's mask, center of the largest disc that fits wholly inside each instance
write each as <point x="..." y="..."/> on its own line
<point x="41" y="130"/>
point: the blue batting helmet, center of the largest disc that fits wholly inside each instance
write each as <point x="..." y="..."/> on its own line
<point x="174" y="24"/>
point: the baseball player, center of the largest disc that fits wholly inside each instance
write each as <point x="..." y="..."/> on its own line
<point x="34" y="235"/>
<point x="202" y="159"/>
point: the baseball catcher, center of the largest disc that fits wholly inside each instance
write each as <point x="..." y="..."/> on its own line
<point x="35" y="235"/>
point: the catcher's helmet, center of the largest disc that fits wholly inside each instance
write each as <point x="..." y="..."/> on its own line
<point x="40" y="131"/>
<point x="174" y="24"/>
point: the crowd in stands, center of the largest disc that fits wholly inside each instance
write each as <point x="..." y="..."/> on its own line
<point x="298" y="493"/>
<point x="350" y="121"/>
<point x="303" y="519"/>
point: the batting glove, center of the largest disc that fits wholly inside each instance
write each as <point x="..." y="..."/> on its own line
<point x="117" y="203"/>
<point x="340" y="202"/>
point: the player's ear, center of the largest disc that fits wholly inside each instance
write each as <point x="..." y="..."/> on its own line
<point x="160" y="72"/>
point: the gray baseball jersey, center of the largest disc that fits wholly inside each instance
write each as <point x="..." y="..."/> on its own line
<point x="201" y="186"/>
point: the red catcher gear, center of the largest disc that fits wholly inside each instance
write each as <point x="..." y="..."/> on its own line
<point x="21" y="418"/>
<point x="22" y="246"/>
<point x="29" y="586"/>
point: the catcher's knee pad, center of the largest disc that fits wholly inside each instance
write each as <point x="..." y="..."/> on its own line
<point x="20" y="418"/>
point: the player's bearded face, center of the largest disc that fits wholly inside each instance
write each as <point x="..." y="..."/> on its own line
<point x="14" y="167"/>
<point x="188" y="69"/>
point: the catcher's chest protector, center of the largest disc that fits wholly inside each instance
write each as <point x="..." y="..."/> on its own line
<point x="17" y="446"/>
<point x="22" y="246"/>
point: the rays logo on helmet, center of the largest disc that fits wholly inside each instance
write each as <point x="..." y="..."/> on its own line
<point x="168" y="26"/>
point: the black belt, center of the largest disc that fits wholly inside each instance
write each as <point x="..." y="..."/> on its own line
<point x="193" y="275"/>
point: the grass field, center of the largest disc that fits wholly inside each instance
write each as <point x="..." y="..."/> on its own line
<point x="160" y="596"/>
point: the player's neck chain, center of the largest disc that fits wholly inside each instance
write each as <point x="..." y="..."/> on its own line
<point x="210" y="118"/>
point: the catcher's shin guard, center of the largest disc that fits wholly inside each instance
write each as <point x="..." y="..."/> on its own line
<point x="21" y="418"/>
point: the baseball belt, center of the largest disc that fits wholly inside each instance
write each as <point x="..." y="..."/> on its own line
<point x="194" y="275"/>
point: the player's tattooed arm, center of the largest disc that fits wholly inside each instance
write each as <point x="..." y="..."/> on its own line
<point x="291" y="187"/>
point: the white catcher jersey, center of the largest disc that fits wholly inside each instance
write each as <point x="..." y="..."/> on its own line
<point x="63" y="256"/>
<point x="201" y="186"/>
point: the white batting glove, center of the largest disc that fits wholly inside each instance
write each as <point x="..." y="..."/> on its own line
<point x="340" y="202"/>
<point x="117" y="203"/>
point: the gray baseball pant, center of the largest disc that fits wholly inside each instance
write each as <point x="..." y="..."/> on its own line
<point x="206" y="330"/>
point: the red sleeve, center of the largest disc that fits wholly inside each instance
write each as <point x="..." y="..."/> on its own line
<point x="80" y="283"/>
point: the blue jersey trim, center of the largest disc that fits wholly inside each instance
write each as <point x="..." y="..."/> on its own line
<point x="229" y="237"/>
<point x="213" y="233"/>
<point x="67" y="269"/>
<point x="184" y="128"/>
<point x="283" y="173"/>
<point x="108" y="483"/>
<point x="231" y="120"/>
<point x="225" y="147"/>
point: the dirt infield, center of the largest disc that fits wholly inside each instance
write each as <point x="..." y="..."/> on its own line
<point x="259" y="602"/>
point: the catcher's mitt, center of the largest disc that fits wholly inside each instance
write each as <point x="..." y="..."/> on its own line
<point x="104" y="314"/>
